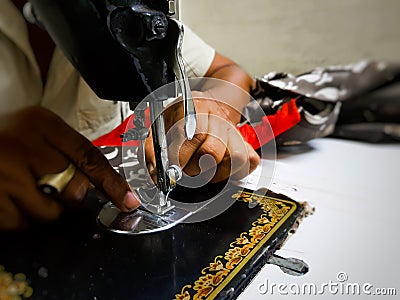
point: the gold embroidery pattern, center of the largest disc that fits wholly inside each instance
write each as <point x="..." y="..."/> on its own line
<point x="14" y="287"/>
<point x="220" y="272"/>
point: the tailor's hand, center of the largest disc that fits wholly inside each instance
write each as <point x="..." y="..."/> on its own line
<point x="215" y="135"/>
<point x="35" y="142"/>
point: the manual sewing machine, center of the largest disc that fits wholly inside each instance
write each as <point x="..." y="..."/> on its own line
<point x="126" y="50"/>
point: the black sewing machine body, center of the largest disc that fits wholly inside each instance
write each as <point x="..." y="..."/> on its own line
<point x="120" y="47"/>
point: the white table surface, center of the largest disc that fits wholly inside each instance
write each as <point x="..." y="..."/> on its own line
<point x="354" y="188"/>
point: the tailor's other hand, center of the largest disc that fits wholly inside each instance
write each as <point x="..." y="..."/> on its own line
<point x="216" y="135"/>
<point x="35" y="142"/>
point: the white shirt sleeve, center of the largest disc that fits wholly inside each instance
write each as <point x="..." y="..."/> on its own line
<point x="197" y="54"/>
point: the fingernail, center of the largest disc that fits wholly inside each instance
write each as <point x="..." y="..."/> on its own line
<point x="131" y="201"/>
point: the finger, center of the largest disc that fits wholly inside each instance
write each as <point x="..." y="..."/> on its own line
<point x="76" y="190"/>
<point x="149" y="154"/>
<point x="11" y="218"/>
<point x="90" y="160"/>
<point x="254" y="158"/>
<point x="215" y="145"/>
<point x="32" y="202"/>
<point x="18" y="182"/>
<point x="175" y="139"/>
<point x="223" y="169"/>
<point x="235" y="162"/>
<point x="45" y="159"/>
<point x="252" y="161"/>
<point x="181" y="150"/>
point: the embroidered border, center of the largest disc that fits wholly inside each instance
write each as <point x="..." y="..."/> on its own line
<point x="14" y="287"/>
<point x="224" y="267"/>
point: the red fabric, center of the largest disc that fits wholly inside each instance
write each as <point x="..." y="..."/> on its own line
<point x="113" y="138"/>
<point x="284" y="119"/>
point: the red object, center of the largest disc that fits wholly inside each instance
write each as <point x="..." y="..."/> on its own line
<point x="284" y="119"/>
<point x="270" y="126"/>
<point x="113" y="138"/>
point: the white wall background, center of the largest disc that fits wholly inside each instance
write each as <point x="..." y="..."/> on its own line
<point x="296" y="35"/>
